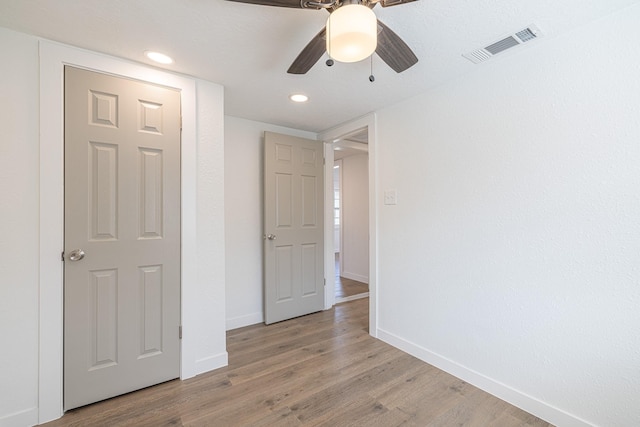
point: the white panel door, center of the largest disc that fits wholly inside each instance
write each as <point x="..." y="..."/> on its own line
<point x="293" y="224"/>
<point x="122" y="210"/>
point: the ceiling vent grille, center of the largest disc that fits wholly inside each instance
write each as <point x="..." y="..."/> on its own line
<point x="523" y="36"/>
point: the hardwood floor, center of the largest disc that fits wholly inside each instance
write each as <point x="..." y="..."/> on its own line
<point x="345" y="288"/>
<point x="317" y="370"/>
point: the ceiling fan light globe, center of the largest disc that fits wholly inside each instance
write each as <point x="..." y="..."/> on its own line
<point x="352" y="33"/>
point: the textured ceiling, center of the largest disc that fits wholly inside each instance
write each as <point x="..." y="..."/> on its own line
<point x="248" y="48"/>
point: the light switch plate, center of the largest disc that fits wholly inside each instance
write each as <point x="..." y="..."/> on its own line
<point x="390" y="197"/>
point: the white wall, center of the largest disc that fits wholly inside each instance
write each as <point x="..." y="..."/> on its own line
<point x="19" y="227"/>
<point x="512" y="258"/>
<point x="210" y="313"/>
<point x="31" y="388"/>
<point x="244" y="143"/>
<point x="354" y="258"/>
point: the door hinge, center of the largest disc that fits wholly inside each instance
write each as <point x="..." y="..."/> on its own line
<point x="180" y="332"/>
<point x="62" y="256"/>
<point x="325" y="283"/>
<point x="180" y="122"/>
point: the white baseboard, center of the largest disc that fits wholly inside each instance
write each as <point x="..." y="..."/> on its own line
<point x="246" y="320"/>
<point x="352" y="297"/>
<point x="212" y="362"/>
<point x="523" y="401"/>
<point x="356" y="277"/>
<point x="28" y="417"/>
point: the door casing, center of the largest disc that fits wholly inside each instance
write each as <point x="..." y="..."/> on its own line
<point x="369" y="122"/>
<point x="53" y="57"/>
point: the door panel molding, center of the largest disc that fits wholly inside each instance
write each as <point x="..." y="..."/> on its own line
<point x="129" y="183"/>
<point x="293" y="206"/>
<point x="53" y="57"/>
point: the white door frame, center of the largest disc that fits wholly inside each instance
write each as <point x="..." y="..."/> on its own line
<point x="339" y="163"/>
<point x="53" y="58"/>
<point x="328" y="137"/>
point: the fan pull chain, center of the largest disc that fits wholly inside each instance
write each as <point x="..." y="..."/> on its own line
<point x="371" y="76"/>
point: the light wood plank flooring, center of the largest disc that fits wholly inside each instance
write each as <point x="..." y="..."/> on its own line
<point x="317" y="370"/>
<point x="347" y="287"/>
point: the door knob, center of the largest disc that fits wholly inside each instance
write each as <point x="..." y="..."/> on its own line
<point x="76" y="255"/>
<point x="271" y="236"/>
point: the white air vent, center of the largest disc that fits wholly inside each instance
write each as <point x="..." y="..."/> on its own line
<point x="523" y="36"/>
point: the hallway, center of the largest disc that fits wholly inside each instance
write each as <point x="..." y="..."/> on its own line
<point x="348" y="289"/>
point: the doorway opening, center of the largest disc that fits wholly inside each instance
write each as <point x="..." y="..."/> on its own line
<point x="366" y="128"/>
<point x="351" y="216"/>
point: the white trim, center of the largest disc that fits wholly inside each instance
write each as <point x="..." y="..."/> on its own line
<point x="210" y="363"/>
<point x="28" y="417"/>
<point x="246" y="320"/>
<point x="356" y="277"/>
<point x="339" y="163"/>
<point x="369" y="122"/>
<point x="53" y="57"/>
<point x="352" y="297"/>
<point x="528" y="403"/>
<point x="329" y="254"/>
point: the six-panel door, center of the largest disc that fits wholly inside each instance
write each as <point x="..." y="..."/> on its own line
<point x="122" y="209"/>
<point x="294" y="239"/>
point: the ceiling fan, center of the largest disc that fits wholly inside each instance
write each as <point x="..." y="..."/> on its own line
<point x="379" y="38"/>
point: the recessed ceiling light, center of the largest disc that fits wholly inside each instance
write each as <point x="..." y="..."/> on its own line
<point x="298" y="97"/>
<point x="158" y="57"/>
